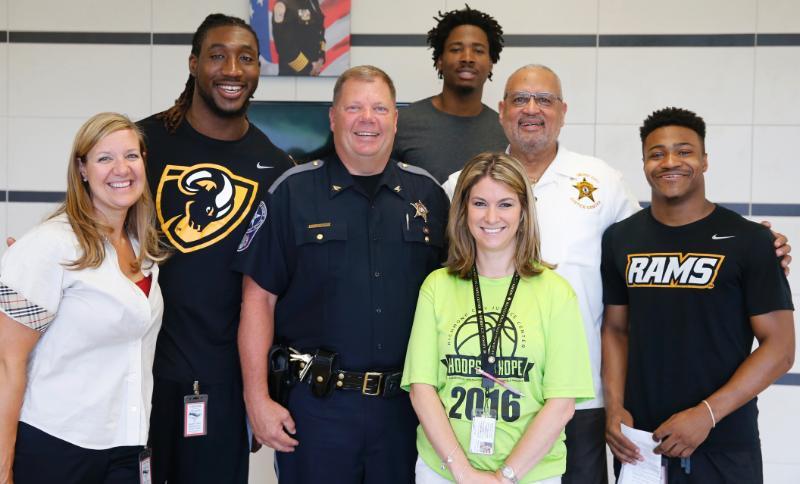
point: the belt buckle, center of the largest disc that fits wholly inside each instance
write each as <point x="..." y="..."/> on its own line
<point x="367" y="377"/>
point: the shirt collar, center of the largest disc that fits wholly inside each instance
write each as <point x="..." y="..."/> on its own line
<point x="341" y="179"/>
<point x="559" y="166"/>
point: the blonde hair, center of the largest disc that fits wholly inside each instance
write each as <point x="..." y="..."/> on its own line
<point x="508" y="171"/>
<point x="78" y="206"/>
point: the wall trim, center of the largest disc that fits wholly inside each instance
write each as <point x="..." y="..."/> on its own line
<point x="419" y="40"/>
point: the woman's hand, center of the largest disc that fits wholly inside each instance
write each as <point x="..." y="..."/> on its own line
<point x="479" y="477"/>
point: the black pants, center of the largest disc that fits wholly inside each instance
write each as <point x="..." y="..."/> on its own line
<point x="586" y="448"/>
<point x="221" y="456"/>
<point x="737" y="467"/>
<point x="41" y="458"/>
<point x="349" y="438"/>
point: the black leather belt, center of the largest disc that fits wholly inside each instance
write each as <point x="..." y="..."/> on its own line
<point x="371" y="383"/>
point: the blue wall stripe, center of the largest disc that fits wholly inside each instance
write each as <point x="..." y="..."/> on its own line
<point x="135" y="38"/>
<point x="777" y="209"/>
<point x="419" y="40"/>
<point x="690" y="40"/>
<point x="35" y="196"/>
<point x="790" y="379"/>
<point x="172" y="39"/>
<point x="778" y="39"/>
<point x="387" y="40"/>
<point x="513" y="40"/>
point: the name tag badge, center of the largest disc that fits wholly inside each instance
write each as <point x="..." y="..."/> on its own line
<point x="194" y="415"/>
<point x="145" y="467"/>
<point x="484" y="424"/>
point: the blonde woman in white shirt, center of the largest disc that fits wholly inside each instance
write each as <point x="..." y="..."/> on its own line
<point x="80" y="309"/>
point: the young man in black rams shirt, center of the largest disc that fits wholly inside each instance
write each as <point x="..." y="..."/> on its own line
<point x="209" y="169"/>
<point x="687" y="286"/>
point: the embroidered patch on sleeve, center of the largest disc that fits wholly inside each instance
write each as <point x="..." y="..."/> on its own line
<point x="24" y="311"/>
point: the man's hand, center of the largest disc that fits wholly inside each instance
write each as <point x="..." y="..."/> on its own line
<point x="316" y="67"/>
<point x="272" y="425"/>
<point x="683" y="432"/>
<point x="623" y="449"/>
<point x="782" y="248"/>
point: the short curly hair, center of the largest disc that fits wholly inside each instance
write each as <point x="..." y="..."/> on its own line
<point x="446" y="22"/>
<point x="672" y="116"/>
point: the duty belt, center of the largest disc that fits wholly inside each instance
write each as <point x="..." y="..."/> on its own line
<point x="320" y="368"/>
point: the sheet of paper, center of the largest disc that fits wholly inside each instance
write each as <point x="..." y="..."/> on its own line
<point x="647" y="471"/>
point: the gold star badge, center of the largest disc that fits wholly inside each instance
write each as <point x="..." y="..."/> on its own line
<point x="397" y="189"/>
<point x="422" y="210"/>
<point x="335" y="188"/>
<point x="585" y="189"/>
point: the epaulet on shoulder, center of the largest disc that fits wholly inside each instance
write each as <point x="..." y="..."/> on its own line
<point x="416" y="170"/>
<point x="310" y="166"/>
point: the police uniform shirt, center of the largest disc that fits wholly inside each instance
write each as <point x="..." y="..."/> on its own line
<point x="347" y="266"/>
<point x="690" y="292"/>
<point x="206" y="192"/>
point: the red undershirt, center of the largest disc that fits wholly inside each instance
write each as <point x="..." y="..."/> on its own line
<point x="144" y="284"/>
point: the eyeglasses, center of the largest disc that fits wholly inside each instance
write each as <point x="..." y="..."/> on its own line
<point x="542" y="99"/>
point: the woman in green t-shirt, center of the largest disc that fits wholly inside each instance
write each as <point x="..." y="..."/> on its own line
<point x="497" y="356"/>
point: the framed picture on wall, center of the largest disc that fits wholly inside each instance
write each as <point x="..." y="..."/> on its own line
<point x="302" y="37"/>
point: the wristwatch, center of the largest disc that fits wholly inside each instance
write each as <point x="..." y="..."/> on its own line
<point x="508" y="473"/>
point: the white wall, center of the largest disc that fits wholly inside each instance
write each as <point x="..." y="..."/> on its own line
<point x="749" y="96"/>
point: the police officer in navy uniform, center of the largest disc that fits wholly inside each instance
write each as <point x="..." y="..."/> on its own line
<point x="299" y="32"/>
<point x="334" y="273"/>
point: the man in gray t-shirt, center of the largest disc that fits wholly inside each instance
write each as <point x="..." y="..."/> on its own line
<point x="442" y="132"/>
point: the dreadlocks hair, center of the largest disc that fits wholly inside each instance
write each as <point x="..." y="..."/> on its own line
<point x="672" y="116"/>
<point x="173" y="116"/>
<point x="446" y="22"/>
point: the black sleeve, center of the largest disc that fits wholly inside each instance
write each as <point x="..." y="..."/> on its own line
<point x="269" y="257"/>
<point x="614" y="289"/>
<point x="765" y="286"/>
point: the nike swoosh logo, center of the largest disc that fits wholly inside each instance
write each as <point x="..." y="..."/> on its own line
<point x="721" y="237"/>
<point x="263" y="167"/>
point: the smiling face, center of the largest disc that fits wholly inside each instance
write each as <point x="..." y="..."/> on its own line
<point x="226" y="71"/>
<point x="114" y="171"/>
<point x="674" y="164"/>
<point x="532" y="129"/>
<point x="465" y="63"/>
<point x="364" y="121"/>
<point x="493" y="217"/>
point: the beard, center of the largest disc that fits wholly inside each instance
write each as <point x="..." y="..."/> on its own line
<point x="209" y="101"/>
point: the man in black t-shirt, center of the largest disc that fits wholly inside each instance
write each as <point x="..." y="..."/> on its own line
<point x="687" y="286"/>
<point x="209" y="169"/>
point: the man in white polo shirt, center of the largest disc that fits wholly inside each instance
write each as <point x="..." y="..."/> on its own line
<point x="577" y="198"/>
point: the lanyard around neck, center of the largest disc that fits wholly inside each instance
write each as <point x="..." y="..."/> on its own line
<point x="489" y="349"/>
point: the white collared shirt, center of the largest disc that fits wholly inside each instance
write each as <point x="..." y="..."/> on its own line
<point x="577" y="198"/>
<point x="90" y="377"/>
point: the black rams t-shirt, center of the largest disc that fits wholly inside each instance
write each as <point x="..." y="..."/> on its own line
<point x="690" y="291"/>
<point x="206" y="192"/>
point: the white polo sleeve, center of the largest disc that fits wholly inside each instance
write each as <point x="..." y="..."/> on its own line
<point x="32" y="274"/>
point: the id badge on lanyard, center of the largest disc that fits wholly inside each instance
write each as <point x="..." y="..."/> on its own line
<point x="195" y="410"/>
<point x="484" y="420"/>
<point x="484" y="424"/>
<point x="145" y="467"/>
